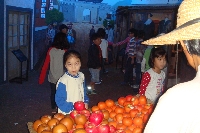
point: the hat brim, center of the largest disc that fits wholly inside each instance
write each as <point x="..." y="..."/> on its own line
<point x="187" y="33"/>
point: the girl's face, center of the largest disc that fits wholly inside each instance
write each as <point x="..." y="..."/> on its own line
<point x="159" y="63"/>
<point x="131" y="34"/>
<point x="73" y="65"/>
<point x="64" y="30"/>
<point x="97" y="41"/>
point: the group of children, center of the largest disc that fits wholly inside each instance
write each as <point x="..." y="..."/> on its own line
<point x="148" y="63"/>
<point x="64" y="66"/>
<point x="68" y="83"/>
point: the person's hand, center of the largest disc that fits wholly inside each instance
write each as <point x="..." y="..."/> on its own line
<point x="138" y="95"/>
<point x="86" y="105"/>
<point x="114" y="45"/>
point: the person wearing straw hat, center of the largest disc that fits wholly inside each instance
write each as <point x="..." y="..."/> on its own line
<point x="177" y="110"/>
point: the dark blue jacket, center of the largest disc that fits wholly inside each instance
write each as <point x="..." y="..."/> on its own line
<point x="94" y="61"/>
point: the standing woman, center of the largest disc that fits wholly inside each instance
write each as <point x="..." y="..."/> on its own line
<point x="177" y="110"/>
<point x="54" y="60"/>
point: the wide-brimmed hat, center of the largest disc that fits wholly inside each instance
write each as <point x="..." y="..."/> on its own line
<point x="187" y="28"/>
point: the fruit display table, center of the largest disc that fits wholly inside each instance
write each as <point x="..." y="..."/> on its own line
<point x="128" y="114"/>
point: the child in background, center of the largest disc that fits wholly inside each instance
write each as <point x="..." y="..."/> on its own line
<point x="64" y="29"/>
<point x="104" y="48"/>
<point x="94" y="61"/>
<point x="153" y="79"/>
<point x="128" y="75"/>
<point x="139" y="55"/>
<point x="54" y="57"/>
<point x="71" y="86"/>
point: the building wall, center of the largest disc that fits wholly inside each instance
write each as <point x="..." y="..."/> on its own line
<point x="38" y="5"/>
<point x="73" y="10"/>
<point x="156" y="1"/>
<point x="40" y="45"/>
<point x="102" y="12"/>
<point x="2" y="49"/>
<point x="69" y="12"/>
<point x="40" y="29"/>
<point x="15" y="4"/>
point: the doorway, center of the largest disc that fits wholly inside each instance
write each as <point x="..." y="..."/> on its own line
<point x="18" y="38"/>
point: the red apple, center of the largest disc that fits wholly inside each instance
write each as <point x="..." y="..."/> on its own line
<point x="128" y="97"/>
<point x="103" y="128"/>
<point x="112" y="129"/>
<point x="79" y="105"/>
<point x="74" y="113"/>
<point x="90" y="127"/>
<point x="96" y="117"/>
<point x="85" y="112"/>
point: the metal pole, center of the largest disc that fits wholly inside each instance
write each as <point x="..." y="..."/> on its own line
<point x="176" y="63"/>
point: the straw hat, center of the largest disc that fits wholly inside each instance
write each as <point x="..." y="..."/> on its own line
<point x="187" y="28"/>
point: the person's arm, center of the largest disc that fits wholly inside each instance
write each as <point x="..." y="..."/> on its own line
<point x="60" y="98"/>
<point x="144" y="83"/>
<point x="45" y="67"/>
<point x="123" y="42"/>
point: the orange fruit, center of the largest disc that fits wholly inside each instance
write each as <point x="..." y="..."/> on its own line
<point x="109" y="103"/>
<point x="95" y="108"/>
<point x="102" y="105"/>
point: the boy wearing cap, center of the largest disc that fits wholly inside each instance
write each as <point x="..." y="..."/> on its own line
<point x="94" y="61"/>
<point x="177" y="110"/>
<point x="71" y="35"/>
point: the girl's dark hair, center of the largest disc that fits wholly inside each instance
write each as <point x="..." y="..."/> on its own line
<point x="60" y="41"/>
<point x="95" y="36"/>
<point x="69" y="54"/>
<point x="193" y="46"/>
<point x="101" y="32"/>
<point x="140" y="34"/>
<point x="132" y="30"/>
<point x="155" y="53"/>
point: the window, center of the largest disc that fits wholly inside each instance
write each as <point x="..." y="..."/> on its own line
<point x="18" y="30"/>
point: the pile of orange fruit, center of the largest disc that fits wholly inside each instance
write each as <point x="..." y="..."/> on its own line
<point x="129" y="114"/>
